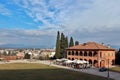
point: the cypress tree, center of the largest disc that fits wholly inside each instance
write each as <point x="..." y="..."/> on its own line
<point x="71" y="42"/>
<point x="66" y="46"/>
<point x="62" y="45"/>
<point x="66" y="42"/>
<point x="57" y="51"/>
<point x="76" y="42"/>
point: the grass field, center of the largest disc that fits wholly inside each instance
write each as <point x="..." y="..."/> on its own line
<point x="27" y="71"/>
<point x="116" y="69"/>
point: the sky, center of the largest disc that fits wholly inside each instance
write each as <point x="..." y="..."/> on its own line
<point x="34" y="23"/>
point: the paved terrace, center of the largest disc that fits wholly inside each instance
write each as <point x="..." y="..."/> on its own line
<point x="94" y="71"/>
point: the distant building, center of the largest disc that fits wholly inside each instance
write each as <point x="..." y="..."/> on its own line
<point x="20" y="55"/>
<point x="98" y="55"/>
<point x="47" y="53"/>
<point x="7" y="54"/>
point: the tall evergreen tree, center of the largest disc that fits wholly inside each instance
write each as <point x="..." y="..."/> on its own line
<point x="57" y="52"/>
<point x="66" y="42"/>
<point x="117" y="57"/>
<point x="62" y="45"/>
<point x="76" y="42"/>
<point x="66" y="46"/>
<point x="71" y="42"/>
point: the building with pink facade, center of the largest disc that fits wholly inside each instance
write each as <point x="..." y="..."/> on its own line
<point x="98" y="55"/>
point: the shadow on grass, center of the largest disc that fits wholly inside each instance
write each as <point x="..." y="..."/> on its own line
<point x="45" y="74"/>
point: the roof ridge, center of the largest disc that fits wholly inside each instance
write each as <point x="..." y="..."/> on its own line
<point x="96" y="45"/>
<point x="90" y="45"/>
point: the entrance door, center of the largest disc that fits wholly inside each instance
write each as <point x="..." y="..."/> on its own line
<point x="102" y="63"/>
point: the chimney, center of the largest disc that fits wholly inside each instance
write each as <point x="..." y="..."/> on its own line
<point x="84" y="44"/>
<point x="102" y="43"/>
<point x="108" y="45"/>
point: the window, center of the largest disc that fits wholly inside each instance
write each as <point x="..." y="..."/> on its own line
<point x="104" y="54"/>
<point x="90" y="53"/>
<point x="95" y="53"/>
<point x="69" y="53"/>
<point x="69" y="58"/>
<point x="108" y="54"/>
<point x="81" y="54"/>
<point x="85" y="54"/>
<point x="100" y="54"/>
<point x="72" y="58"/>
<point x="72" y="52"/>
<point x="77" y="53"/>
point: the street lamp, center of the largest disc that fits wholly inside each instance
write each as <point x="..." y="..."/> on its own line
<point x="108" y="75"/>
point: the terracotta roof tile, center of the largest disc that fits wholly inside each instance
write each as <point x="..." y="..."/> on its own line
<point x="91" y="45"/>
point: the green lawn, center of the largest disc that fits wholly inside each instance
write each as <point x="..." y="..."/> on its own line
<point x="116" y="69"/>
<point x="27" y="71"/>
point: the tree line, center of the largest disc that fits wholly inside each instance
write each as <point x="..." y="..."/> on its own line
<point x="117" y="57"/>
<point x="62" y="43"/>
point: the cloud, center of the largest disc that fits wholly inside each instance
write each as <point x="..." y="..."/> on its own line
<point x="4" y="11"/>
<point x="38" y="11"/>
<point x="86" y="20"/>
<point x="49" y="13"/>
<point x="107" y="36"/>
<point x="25" y="33"/>
<point x="98" y="14"/>
<point x="27" y="38"/>
<point x="73" y="13"/>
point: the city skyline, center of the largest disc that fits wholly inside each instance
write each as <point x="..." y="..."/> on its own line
<point x="34" y="23"/>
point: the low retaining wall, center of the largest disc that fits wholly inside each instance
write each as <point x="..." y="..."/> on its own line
<point x="10" y="57"/>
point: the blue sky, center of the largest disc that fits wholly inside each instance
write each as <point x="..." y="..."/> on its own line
<point x="31" y="23"/>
